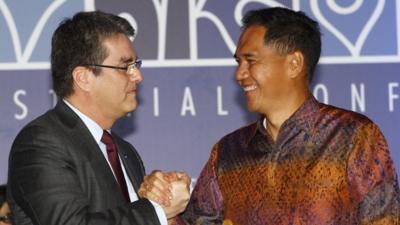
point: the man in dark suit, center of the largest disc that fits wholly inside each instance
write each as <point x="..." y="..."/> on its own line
<point x="65" y="167"/>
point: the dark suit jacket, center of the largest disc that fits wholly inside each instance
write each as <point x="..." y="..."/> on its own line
<point x="58" y="175"/>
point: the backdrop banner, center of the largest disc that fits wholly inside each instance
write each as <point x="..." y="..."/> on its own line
<point x="189" y="98"/>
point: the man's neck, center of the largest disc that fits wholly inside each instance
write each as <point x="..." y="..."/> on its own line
<point x="275" y="118"/>
<point x="91" y="111"/>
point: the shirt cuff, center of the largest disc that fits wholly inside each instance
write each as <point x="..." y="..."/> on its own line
<point x="160" y="213"/>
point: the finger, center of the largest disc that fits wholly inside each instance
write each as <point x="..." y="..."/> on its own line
<point x="156" y="196"/>
<point x="185" y="177"/>
<point x="171" y="176"/>
<point x="164" y="195"/>
<point x="144" y="186"/>
<point x="160" y="190"/>
<point x="142" y="192"/>
<point x="157" y="179"/>
<point x="158" y="175"/>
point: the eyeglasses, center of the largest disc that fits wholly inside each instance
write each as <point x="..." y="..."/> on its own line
<point x="6" y="219"/>
<point x="129" y="69"/>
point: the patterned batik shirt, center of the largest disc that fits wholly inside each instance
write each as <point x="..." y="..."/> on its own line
<point x="327" y="166"/>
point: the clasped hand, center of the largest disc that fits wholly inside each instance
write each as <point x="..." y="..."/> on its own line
<point x="170" y="190"/>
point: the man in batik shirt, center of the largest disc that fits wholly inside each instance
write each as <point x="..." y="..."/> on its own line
<point x="303" y="162"/>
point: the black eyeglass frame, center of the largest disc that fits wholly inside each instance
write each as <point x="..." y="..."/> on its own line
<point x="137" y="64"/>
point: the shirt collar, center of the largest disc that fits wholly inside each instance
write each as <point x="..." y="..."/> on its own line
<point x="303" y="118"/>
<point x="94" y="128"/>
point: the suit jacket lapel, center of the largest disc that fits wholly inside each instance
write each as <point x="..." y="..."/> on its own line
<point x="86" y="144"/>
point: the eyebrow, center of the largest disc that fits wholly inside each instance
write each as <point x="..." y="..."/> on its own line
<point x="246" y="55"/>
<point x="128" y="60"/>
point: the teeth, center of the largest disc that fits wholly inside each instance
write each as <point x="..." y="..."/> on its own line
<point x="250" y="88"/>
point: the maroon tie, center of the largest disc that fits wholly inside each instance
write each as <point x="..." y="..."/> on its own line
<point x="115" y="164"/>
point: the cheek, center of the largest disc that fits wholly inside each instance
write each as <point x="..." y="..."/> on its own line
<point x="109" y="94"/>
<point x="116" y="87"/>
<point x="122" y="85"/>
<point x="261" y="76"/>
<point x="270" y="82"/>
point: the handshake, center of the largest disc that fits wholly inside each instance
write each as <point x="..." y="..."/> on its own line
<point x="171" y="190"/>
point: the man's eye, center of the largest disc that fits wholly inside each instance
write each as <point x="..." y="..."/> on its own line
<point x="251" y="62"/>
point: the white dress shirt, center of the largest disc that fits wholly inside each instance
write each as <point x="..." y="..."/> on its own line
<point x="97" y="133"/>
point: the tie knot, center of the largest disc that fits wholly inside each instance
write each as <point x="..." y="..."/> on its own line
<point x="106" y="138"/>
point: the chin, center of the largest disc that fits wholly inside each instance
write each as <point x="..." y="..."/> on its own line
<point x="130" y="108"/>
<point x="251" y="107"/>
<point x="133" y="108"/>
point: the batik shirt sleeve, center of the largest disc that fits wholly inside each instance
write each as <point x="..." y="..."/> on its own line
<point x="206" y="204"/>
<point x="373" y="178"/>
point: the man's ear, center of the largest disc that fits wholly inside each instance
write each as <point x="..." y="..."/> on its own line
<point x="81" y="78"/>
<point x="296" y="64"/>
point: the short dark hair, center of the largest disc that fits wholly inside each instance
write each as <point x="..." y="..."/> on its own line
<point x="289" y="31"/>
<point x="78" y="41"/>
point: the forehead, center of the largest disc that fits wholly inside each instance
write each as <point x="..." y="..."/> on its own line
<point x="252" y="39"/>
<point x="119" y="49"/>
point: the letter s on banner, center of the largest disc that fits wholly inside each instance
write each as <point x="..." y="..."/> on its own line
<point x="18" y="102"/>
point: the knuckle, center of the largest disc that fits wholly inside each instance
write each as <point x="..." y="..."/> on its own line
<point x="150" y="189"/>
<point x="153" y="180"/>
<point x="156" y="172"/>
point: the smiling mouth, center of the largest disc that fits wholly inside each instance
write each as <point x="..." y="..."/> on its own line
<point x="250" y="88"/>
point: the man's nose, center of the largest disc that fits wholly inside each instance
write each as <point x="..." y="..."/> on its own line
<point x="242" y="72"/>
<point x="137" y="76"/>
